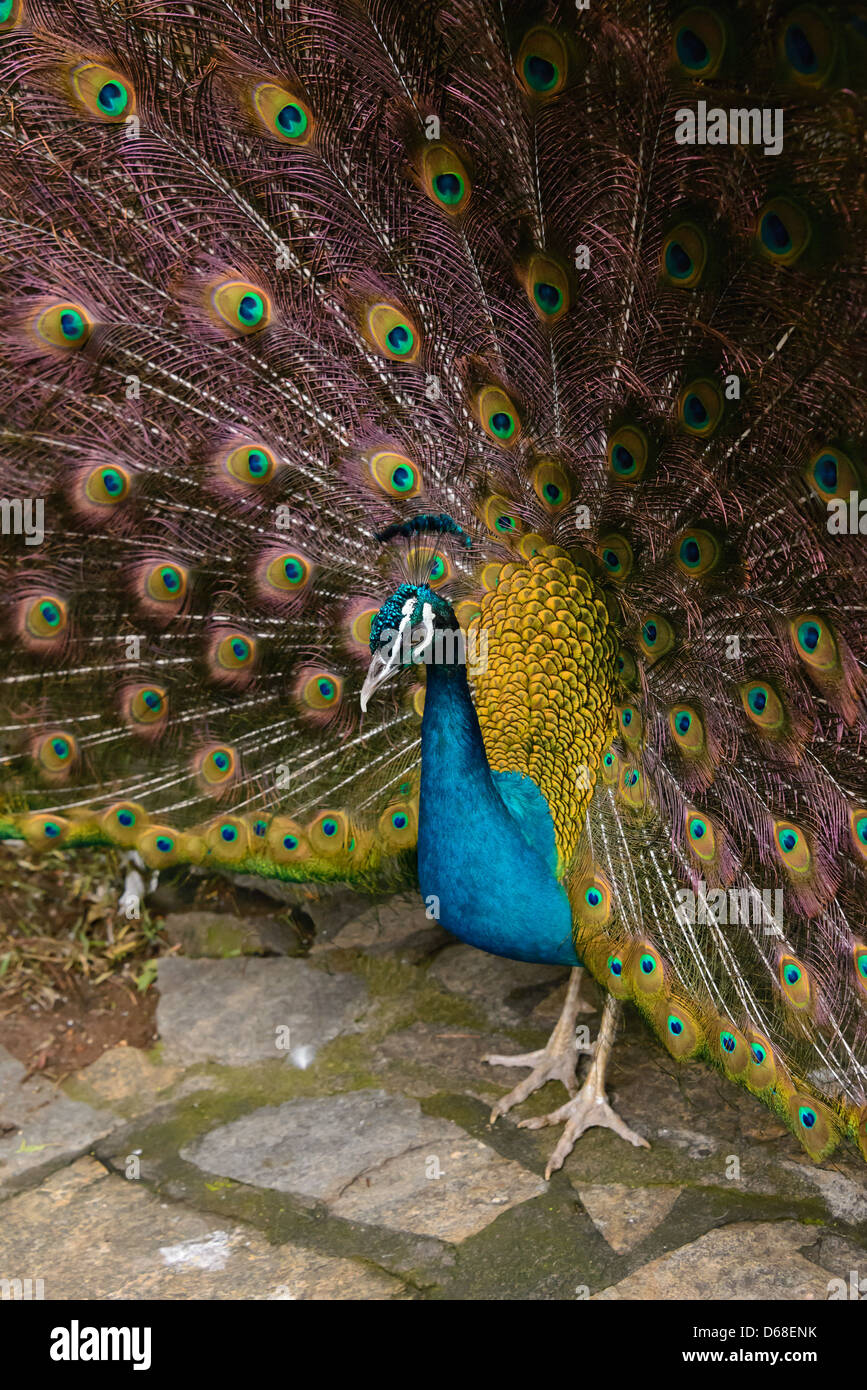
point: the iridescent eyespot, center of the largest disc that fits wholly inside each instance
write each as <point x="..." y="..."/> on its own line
<point x="782" y="231"/>
<point x="551" y="486"/>
<point x="763" y="706"/>
<point x="592" y="899"/>
<point x="146" y="704"/>
<point x="320" y="690"/>
<point x="687" y="729"/>
<point x="699" y="42"/>
<point x="630" y="724"/>
<point x="610" y="768"/>
<point x="807" y="46"/>
<point x="235" y="653"/>
<point x="542" y="63"/>
<point x="250" y="464"/>
<point x="616" y="555"/>
<point x="859" y="960"/>
<point x="56" y="753"/>
<point x="657" y="636"/>
<point x="627" y="453"/>
<point x="392" y="332"/>
<point x="10" y="14"/>
<point x="684" y="255"/>
<point x="166" y="583"/>
<point x="793" y="847"/>
<point x="831" y="474"/>
<point x="241" y="306"/>
<point x="547" y="286"/>
<point x="329" y="832"/>
<point x="615" y="965"/>
<point x="814" y="642"/>
<point x="445" y="178"/>
<point x="858" y="828"/>
<point x="107" y="486"/>
<point x="794" y="982"/>
<point x="631" y="786"/>
<point x="45" y="618"/>
<point x="102" y="92"/>
<point x="701" y="837"/>
<point x="697" y="553"/>
<point x="64" y="325"/>
<point x="216" y="765"/>
<point x="289" y="572"/>
<point x="700" y="407"/>
<point x="260" y="828"/>
<point x="360" y="622"/>
<point x="283" y="113"/>
<point x="646" y="969"/>
<point x="624" y="665"/>
<point x="397" y="827"/>
<point x="497" y="415"/>
<point x="394" y="474"/>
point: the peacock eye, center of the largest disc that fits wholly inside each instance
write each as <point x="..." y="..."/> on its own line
<point x="701" y="837"/>
<point x="497" y="415"/>
<point x="215" y="766"/>
<point x="542" y="63"/>
<point x="392" y="333"/>
<point x="107" y="486"/>
<point x="394" y="474"/>
<point x="548" y="287"/>
<point x="831" y="474"/>
<point x="64" y="325"/>
<point x="807" y="46"/>
<point x="814" y="642"/>
<point x="241" y="306"/>
<point x="783" y="231"/>
<point x="102" y="92"/>
<point x="687" y="729"/>
<point x="697" y="553"/>
<point x="445" y="178"/>
<point x="657" y="636"/>
<point x="699" y="42"/>
<point x="700" y="407"/>
<point x="235" y="653"/>
<point x="858" y="827"/>
<point x="793" y="847"/>
<point x="166" y="583"/>
<point x="627" y="453"/>
<point x="56" y="755"/>
<point x="763" y="706"/>
<point x="46" y="617"/>
<point x="10" y="14"/>
<point x="250" y="464"/>
<point x="551" y="485"/>
<point x="146" y="705"/>
<point x="684" y="255"/>
<point x="282" y="113"/>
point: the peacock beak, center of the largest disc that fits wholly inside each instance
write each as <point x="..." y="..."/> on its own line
<point x="383" y="664"/>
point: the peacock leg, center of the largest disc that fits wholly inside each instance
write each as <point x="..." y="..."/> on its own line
<point x="589" y="1107"/>
<point x="556" y="1061"/>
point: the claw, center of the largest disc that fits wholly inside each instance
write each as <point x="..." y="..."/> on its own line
<point x="554" y="1062"/>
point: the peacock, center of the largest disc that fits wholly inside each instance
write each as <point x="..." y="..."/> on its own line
<point x="432" y="454"/>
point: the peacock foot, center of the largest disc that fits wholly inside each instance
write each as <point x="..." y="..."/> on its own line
<point x="556" y="1061"/>
<point x="590" y="1106"/>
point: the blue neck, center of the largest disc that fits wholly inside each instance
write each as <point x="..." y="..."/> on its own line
<point x="483" y="860"/>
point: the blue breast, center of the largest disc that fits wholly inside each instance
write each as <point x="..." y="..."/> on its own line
<point x="486" y="846"/>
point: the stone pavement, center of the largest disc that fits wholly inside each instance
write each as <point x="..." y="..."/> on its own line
<point x="318" y="1128"/>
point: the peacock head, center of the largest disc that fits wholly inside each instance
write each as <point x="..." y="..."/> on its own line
<point x="406" y="632"/>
